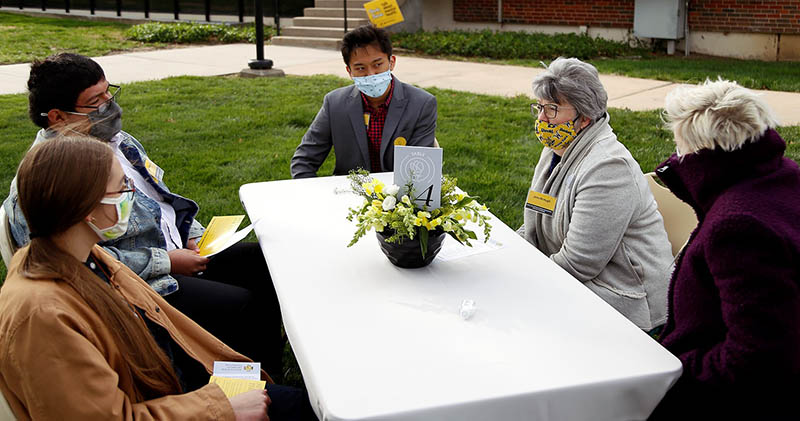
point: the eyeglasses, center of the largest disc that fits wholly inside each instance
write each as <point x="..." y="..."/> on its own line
<point x="112" y="90"/>
<point x="550" y="110"/>
<point x="128" y="185"/>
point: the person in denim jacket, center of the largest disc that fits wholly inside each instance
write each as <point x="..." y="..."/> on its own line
<point x="142" y="248"/>
<point x="70" y="92"/>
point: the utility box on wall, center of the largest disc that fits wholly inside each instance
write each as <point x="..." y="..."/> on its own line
<point x="663" y="19"/>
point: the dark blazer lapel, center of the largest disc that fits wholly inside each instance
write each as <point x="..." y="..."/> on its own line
<point x="396" y="109"/>
<point x="356" y="112"/>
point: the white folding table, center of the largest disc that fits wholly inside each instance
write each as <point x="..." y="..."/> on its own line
<point x="377" y="342"/>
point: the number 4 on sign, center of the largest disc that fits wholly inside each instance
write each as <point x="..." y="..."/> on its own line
<point x="428" y="199"/>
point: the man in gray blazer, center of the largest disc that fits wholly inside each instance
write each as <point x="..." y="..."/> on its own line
<point x="364" y="121"/>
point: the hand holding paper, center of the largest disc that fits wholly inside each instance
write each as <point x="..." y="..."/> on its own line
<point x="235" y="378"/>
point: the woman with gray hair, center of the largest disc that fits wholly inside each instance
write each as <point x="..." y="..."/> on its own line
<point x="734" y="313"/>
<point x="589" y="206"/>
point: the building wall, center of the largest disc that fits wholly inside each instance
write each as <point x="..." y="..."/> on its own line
<point x="745" y="16"/>
<point x="753" y="29"/>
<point x="757" y="16"/>
<point x="607" y="13"/>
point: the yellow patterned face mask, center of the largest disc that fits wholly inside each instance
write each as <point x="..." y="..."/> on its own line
<point x="556" y="136"/>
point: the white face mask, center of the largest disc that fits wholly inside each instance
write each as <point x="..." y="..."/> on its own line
<point x="374" y="85"/>
<point x="123" y="205"/>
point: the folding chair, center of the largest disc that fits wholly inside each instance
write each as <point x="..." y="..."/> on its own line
<point x="7" y="245"/>
<point x="679" y="218"/>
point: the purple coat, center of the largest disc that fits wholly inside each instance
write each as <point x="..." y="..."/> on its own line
<point x="734" y="298"/>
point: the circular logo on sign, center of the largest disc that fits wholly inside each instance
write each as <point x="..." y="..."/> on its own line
<point x="419" y="168"/>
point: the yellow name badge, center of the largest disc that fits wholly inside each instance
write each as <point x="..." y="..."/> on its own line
<point x="400" y="141"/>
<point x="540" y="202"/>
<point x="155" y="171"/>
<point x="383" y="13"/>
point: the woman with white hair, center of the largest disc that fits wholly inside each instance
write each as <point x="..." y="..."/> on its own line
<point x="589" y="206"/>
<point x="734" y="312"/>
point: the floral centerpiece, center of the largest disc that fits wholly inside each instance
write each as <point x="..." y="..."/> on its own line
<point x="401" y="224"/>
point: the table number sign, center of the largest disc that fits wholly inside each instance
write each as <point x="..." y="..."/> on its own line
<point x="423" y="167"/>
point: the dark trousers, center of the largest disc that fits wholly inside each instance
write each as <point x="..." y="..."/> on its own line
<point x="289" y="404"/>
<point x="234" y="300"/>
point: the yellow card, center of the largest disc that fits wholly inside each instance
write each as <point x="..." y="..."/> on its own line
<point x="217" y="234"/>
<point x="540" y="202"/>
<point x="366" y="119"/>
<point x="400" y="141"/>
<point x="155" y="171"/>
<point x="233" y="387"/>
<point x="383" y="13"/>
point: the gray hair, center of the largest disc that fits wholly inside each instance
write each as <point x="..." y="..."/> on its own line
<point x="716" y="114"/>
<point x="575" y="82"/>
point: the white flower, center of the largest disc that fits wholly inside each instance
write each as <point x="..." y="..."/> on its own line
<point x="391" y="190"/>
<point x="389" y="202"/>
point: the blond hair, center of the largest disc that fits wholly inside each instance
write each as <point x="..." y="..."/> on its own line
<point x="716" y="114"/>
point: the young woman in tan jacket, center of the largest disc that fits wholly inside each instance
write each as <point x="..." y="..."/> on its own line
<point x="81" y="336"/>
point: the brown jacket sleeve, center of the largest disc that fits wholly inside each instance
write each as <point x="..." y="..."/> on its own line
<point x="57" y="370"/>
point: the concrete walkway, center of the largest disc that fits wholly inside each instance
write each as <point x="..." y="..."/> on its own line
<point x="494" y="79"/>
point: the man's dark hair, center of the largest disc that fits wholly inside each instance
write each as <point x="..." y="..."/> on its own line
<point x="363" y="36"/>
<point x="57" y="81"/>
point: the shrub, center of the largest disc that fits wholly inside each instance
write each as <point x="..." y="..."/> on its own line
<point x="186" y="33"/>
<point x="510" y="45"/>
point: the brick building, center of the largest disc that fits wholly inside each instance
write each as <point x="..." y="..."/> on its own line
<point x="760" y="29"/>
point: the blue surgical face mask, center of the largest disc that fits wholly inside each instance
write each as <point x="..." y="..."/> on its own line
<point x="374" y="85"/>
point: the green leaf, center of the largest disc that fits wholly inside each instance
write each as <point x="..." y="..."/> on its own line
<point x="423" y="240"/>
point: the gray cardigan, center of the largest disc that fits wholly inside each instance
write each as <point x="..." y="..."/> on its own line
<point x="606" y="230"/>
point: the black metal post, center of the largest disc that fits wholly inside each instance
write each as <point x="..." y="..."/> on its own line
<point x="66" y="6"/>
<point x="176" y="7"/>
<point x="44" y="5"/>
<point x="91" y="6"/>
<point x="345" y="16"/>
<point x="260" y="63"/>
<point x="277" y="17"/>
<point x="147" y="9"/>
<point x="21" y="4"/>
<point x="119" y="7"/>
<point x="241" y="11"/>
<point x="208" y="10"/>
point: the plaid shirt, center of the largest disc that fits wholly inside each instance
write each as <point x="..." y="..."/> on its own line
<point x="377" y="119"/>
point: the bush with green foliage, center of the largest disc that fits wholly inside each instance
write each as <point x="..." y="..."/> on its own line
<point x="510" y="45"/>
<point x="184" y="33"/>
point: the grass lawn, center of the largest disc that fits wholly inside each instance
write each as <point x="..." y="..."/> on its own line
<point x="528" y="49"/>
<point x="24" y="38"/>
<point x="211" y="135"/>
<point x="753" y="74"/>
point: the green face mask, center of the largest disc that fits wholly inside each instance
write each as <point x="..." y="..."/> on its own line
<point x="556" y="136"/>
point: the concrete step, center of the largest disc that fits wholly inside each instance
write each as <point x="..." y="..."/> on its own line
<point x="301" y="31"/>
<point x="340" y="3"/>
<point x="332" y="12"/>
<point x="329" y="22"/>
<point x="308" y="42"/>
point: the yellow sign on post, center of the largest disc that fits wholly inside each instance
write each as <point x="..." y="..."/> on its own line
<point x="383" y="13"/>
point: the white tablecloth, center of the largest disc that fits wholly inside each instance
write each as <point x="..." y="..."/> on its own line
<point x="377" y="342"/>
